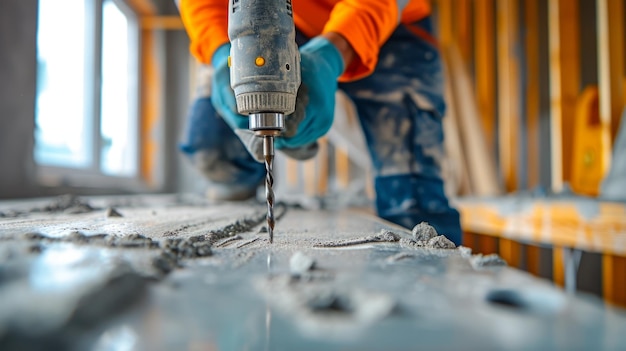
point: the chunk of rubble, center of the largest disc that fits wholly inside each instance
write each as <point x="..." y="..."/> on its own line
<point x="424" y="232"/>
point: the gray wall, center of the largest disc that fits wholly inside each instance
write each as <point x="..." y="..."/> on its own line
<point x="18" y="37"/>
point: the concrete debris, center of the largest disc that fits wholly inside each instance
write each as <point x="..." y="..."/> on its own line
<point x="383" y="236"/>
<point x="424" y="232"/>
<point x="70" y="204"/>
<point x="411" y="244"/>
<point x="493" y="260"/>
<point x="300" y="263"/>
<point x="192" y="247"/>
<point x="440" y="242"/>
<point x="437" y="242"/>
<point x="112" y="212"/>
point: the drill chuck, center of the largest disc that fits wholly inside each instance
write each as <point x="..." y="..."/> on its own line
<point x="266" y="121"/>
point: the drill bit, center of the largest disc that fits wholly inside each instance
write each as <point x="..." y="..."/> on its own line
<point x="268" y="152"/>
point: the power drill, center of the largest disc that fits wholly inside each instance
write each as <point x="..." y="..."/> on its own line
<point x="264" y="73"/>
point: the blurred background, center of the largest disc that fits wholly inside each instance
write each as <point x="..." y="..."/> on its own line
<point x="94" y="97"/>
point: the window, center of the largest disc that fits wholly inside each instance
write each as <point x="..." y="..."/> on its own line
<point x="87" y="110"/>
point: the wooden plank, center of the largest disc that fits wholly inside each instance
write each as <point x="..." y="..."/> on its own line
<point x="564" y="85"/>
<point x="488" y="244"/>
<point x="508" y="91"/>
<point x="480" y="164"/>
<point x="142" y="7"/>
<point x="469" y="240"/>
<point x="463" y="32"/>
<point x="310" y="175"/>
<point x="161" y="22"/>
<point x="558" y="267"/>
<point x="322" y="167"/>
<point x="342" y="167"/>
<point x="533" y="97"/>
<point x="613" y="282"/>
<point x="610" y="34"/>
<point x="445" y="20"/>
<point x="510" y="251"/>
<point x="150" y="102"/>
<point x="533" y="259"/>
<point x="455" y="171"/>
<point x="292" y="172"/>
<point x="484" y="67"/>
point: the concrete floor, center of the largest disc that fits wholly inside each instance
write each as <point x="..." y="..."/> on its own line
<point x="176" y="273"/>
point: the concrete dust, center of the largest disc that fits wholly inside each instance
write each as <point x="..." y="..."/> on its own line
<point x="326" y="308"/>
<point x="493" y="260"/>
<point x="112" y="212"/>
<point x="383" y="236"/>
<point x="227" y="241"/>
<point x="68" y="204"/>
<point x="247" y="242"/>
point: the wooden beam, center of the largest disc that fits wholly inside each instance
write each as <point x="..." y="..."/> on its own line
<point x="150" y="97"/>
<point x="610" y="34"/>
<point x="142" y="7"/>
<point x="446" y="31"/>
<point x="342" y="168"/>
<point x="564" y="85"/>
<point x="533" y="97"/>
<point x="161" y="22"/>
<point x="508" y="91"/>
<point x="463" y="33"/>
<point x="533" y="259"/>
<point x="510" y="251"/>
<point x="322" y="166"/>
<point x="488" y="244"/>
<point x="558" y="267"/>
<point x="310" y="176"/>
<point x="484" y="67"/>
<point x="292" y="167"/>
<point x="613" y="282"/>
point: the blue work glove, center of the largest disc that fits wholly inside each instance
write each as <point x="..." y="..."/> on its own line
<point x="321" y="65"/>
<point x="223" y="96"/>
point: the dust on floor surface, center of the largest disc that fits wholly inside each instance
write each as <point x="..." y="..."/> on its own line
<point x="172" y="272"/>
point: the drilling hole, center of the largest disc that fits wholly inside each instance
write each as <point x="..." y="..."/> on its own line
<point x="506" y="298"/>
<point x="535" y="300"/>
<point x="287" y="67"/>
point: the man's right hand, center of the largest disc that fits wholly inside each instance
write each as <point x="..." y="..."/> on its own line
<point x="223" y="96"/>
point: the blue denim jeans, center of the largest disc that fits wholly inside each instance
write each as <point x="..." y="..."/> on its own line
<point x="400" y="108"/>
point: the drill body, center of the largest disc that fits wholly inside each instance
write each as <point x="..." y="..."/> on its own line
<point x="264" y="73"/>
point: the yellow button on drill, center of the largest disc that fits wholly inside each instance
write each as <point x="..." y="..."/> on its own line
<point x="229" y="61"/>
<point x="260" y="61"/>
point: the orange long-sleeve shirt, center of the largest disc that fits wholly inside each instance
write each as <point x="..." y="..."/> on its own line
<point x="365" y="24"/>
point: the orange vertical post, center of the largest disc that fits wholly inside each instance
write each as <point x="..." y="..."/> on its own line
<point x="508" y="91"/>
<point x="564" y="85"/>
<point x="484" y="58"/>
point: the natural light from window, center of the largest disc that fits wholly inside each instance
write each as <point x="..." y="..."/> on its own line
<point x="76" y="128"/>
<point x="118" y="127"/>
<point x="62" y="131"/>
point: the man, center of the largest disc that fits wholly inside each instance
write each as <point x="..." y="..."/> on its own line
<point x="382" y="55"/>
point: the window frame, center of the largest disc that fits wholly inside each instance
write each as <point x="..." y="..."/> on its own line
<point x="92" y="175"/>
